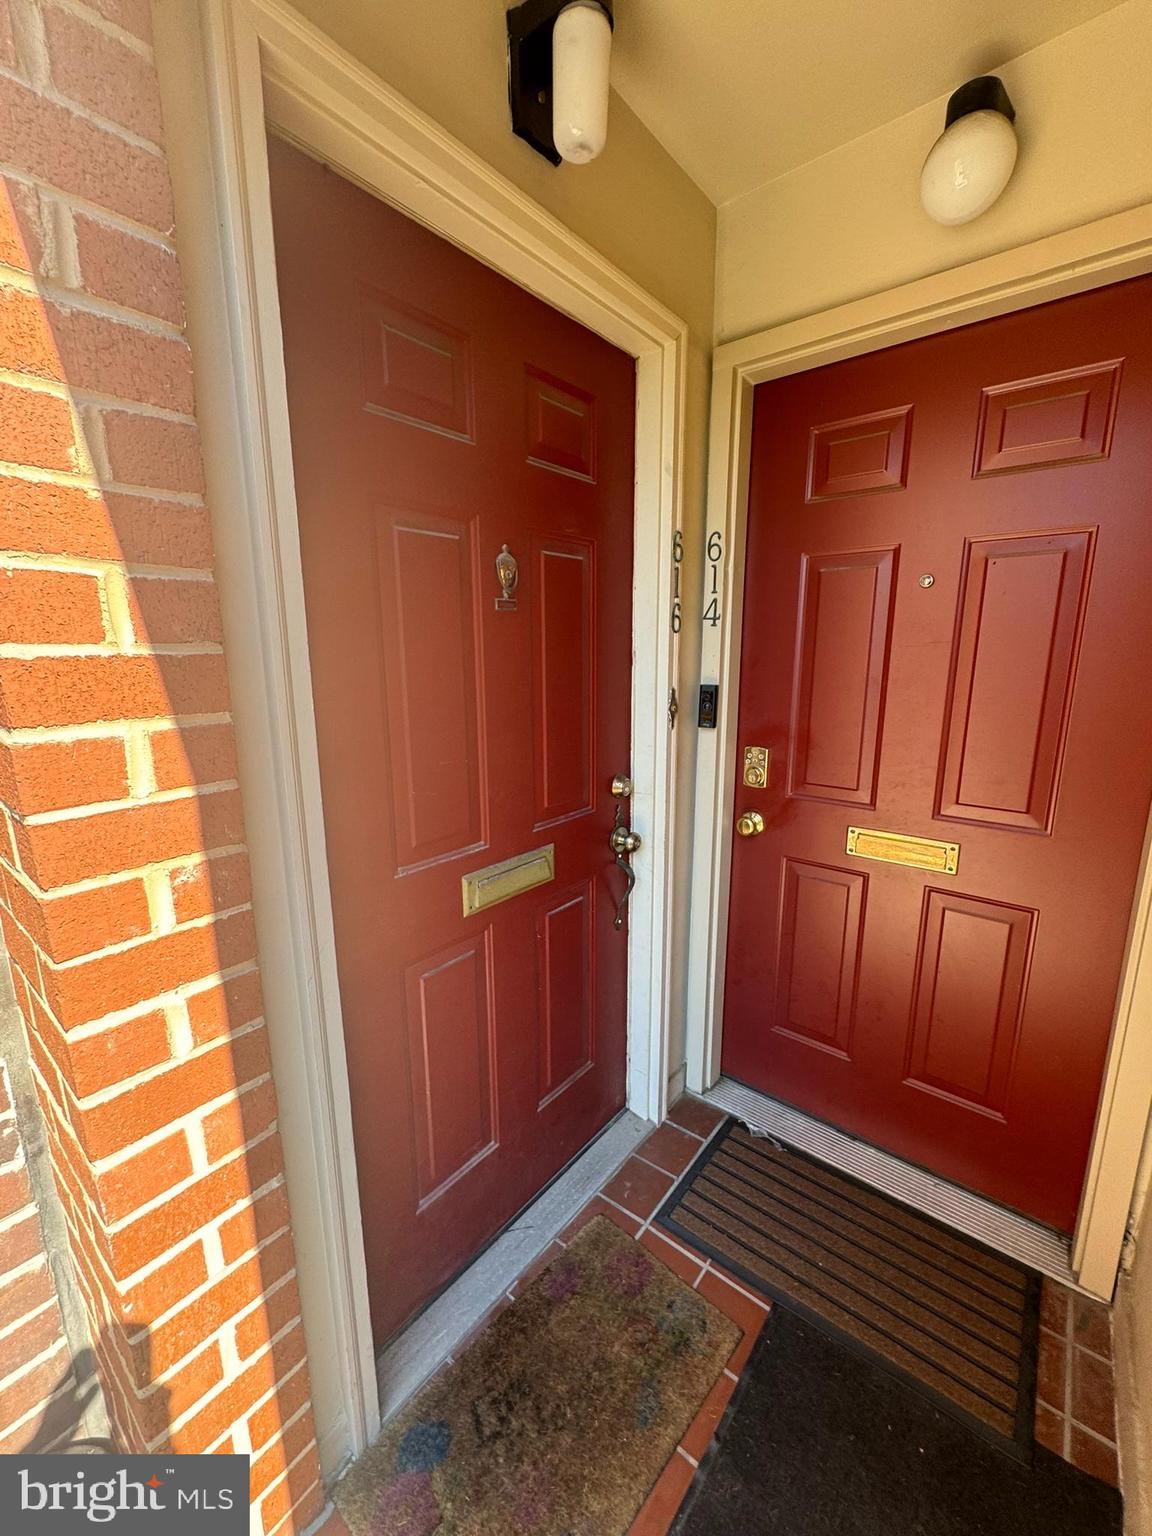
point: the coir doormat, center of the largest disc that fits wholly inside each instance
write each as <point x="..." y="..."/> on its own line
<point x="560" y="1417"/>
<point x="943" y="1311"/>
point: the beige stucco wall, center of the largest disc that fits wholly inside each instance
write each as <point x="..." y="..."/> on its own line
<point x="850" y="224"/>
<point x="1133" y="1343"/>
<point x="634" y="204"/>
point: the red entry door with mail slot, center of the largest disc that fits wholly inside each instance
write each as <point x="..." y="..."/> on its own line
<point x="948" y="637"/>
<point x="463" y="461"/>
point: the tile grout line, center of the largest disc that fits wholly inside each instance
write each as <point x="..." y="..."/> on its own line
<point x="1094" y="1434"/>
<point x="675" y="1177"/>
<point x="648" y="1163"/>
<point x="1069" y="1351"/>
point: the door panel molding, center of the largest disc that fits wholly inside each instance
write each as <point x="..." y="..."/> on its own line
<point x="818" y="954"/>
<point x="227" y="68"/>
<point x="566" y="987"/>
<point x="1106" y="251"/>
<point x="840" y="670"/>
<point x="562" y="603"/>
<point x="448" y="1000"/>
<point x="980" y="948"/>
<point x="1001" y="755"/>
<point x="429" y="559"/>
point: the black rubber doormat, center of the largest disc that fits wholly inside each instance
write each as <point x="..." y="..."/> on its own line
<point x="822" y="1442"/>
<point x="951" y="1317"/>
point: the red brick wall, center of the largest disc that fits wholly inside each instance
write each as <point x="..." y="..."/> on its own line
<point x="122" y="864"/>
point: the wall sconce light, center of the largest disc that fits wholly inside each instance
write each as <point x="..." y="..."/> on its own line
<point x="972" y="161"/>
<point x="558" y="55"/>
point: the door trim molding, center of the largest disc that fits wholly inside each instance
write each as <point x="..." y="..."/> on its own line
<point x="226" y="67"/>
<point x="1073" y="261"/>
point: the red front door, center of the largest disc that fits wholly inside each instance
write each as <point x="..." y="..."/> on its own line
<point x="440" y="414"/>
<point x="948" y="636"/>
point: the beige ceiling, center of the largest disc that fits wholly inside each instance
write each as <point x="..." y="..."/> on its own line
<point x="740" y="91"/>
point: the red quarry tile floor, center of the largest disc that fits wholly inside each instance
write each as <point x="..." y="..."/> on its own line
<point x="639" y="1187"/>
<point x="670" y="1148"/>
<point x="694" y="1115"/>
<point x="1075" y="1415"/>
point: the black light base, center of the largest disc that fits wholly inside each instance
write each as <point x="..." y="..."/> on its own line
<point x="530" y="28"/>
<point x="985" y="93"/>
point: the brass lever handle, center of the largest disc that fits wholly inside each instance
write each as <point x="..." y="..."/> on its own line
<point x="623" y="843"/>
<point x="751" y="824"/>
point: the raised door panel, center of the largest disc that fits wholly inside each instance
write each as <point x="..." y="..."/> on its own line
<point x="561" y="426"/>
<point x="971" y="977"/>
<point x="451" y="1063"/>
<point x="416" y="369"/>
<point x="564" y="942"/>
<point x="818" y="954"/>
<point x="860" y="456"/>
<point x="563" y="678"/>
<point x="1021" y="609"/>
<point x="433" y="677"/>
<point x="1060" y="418"/>
<point x="840" y="672"/>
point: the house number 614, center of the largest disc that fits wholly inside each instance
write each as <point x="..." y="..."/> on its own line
<point x="715" y="552"/>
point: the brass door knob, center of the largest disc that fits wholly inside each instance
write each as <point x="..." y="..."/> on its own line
<point x="751" y="824"/>
<point x="624" y="840"/>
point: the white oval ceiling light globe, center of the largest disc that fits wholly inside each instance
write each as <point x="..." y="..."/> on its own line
<point x="581" y="52"/>
<point x="972" y="161"/>
<point x="968" y="167"/>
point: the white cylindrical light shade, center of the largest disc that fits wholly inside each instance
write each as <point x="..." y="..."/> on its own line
<point x="581" y="51"/>
<point x="968" y="167"/>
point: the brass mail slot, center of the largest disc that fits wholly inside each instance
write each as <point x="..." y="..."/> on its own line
<point x="896" y="848"/>
<point x="499" y="882"/>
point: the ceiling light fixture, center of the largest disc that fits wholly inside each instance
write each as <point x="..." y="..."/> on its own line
<point x="972" y="161"/>
<point x="558" y="57"/>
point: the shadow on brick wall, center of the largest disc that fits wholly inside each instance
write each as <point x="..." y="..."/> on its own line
<point x="61" y="1428"/>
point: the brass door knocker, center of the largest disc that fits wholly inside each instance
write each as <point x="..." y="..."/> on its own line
<point x="508" y="575"/>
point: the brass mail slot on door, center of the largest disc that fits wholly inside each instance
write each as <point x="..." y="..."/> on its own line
<point x="897" y="848"/>
<point x="499" y="882"/>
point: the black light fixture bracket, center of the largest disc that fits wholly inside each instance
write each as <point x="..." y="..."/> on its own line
<point x="985" y="93"/>
<point x="530" y="29"/>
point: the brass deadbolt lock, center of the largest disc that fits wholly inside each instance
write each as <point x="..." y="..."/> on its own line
<point x="751" y="824"/>
<point x="757" y="763"/>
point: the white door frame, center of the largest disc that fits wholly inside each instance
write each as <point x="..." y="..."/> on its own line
<point x="227" y="67"/>
<point x="1106" y="251"/>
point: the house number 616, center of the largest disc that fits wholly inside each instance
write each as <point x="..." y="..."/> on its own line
<point x="677" y="558"/>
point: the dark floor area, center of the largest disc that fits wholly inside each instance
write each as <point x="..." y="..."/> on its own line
<point x="824" y="1443"/>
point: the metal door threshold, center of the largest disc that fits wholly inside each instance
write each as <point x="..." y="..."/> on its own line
<point x="1008" y="1233"/>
